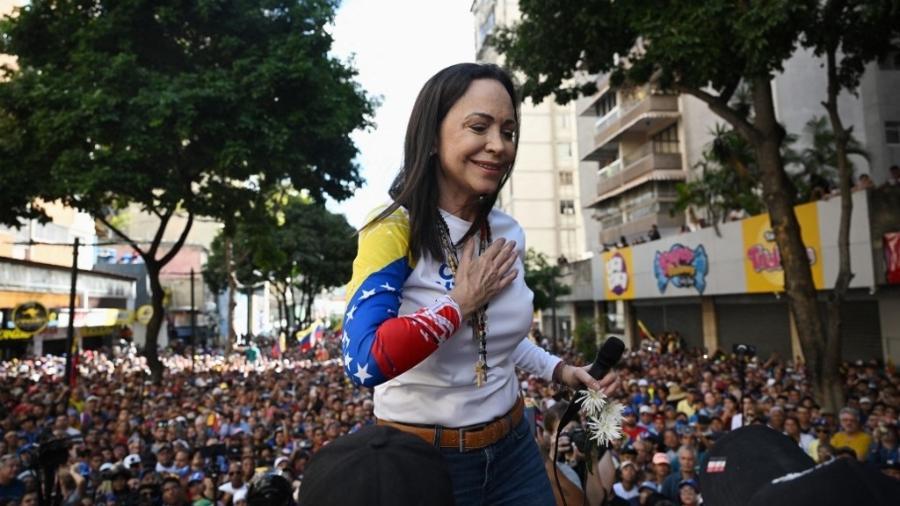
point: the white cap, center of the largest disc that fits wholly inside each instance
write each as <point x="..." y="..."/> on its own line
<point x="646" y="409"/>
<point x="131" y="460"/>
<point x="107" y="466"/>
<point x="280" y="460"/>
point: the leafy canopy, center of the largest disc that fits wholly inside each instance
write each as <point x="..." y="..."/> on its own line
<point x="679" y="43"/>
<point x="171" y="105"/>
<point x="543" y="279"/>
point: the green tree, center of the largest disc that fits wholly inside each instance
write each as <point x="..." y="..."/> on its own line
<point x="300" y="247"/>
<point x="178" y="107"/>
<point x="543" y="278"/>
<point x="586" y="339"/>
<point x="704" y="49"/>
<point x="849" y="35"/>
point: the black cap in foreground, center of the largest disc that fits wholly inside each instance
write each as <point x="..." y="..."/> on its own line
<point x="378" y="465"/>
<point x="745" y="460"/>
<point x="836" y="483"/>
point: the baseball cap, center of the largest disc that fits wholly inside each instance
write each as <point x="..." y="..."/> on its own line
<point x="628" y="411"/>
<point x="646" y="409"/>
<point x="689" y="483"/>
<point x="131" y="460"/>
<point x="390" y="467"/>
<point x="642" y="382"/>
<point x="744" y="460"/>
<point x="836" y="482"/>
<point x="280" y="460"/>
<point x="648" y="485"/>
<point x="196" y="476"/>
<point x="661" y="458"/>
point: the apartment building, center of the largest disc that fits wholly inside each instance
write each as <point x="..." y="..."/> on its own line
<point x="543" y="190"/>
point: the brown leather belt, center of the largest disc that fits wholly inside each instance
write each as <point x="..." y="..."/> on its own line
<point x="465" y="438"/>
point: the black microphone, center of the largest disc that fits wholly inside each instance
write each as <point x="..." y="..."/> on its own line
<point x="607" y="357"/>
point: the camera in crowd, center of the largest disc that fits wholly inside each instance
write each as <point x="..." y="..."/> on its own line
<point x="579" y="438"/>
<point x="745" y="350"/>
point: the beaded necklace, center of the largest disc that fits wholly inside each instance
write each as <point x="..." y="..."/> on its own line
<point x="478" y="319"/>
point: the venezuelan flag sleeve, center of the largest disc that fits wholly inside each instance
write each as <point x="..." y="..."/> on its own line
<point x="379" y="344"/>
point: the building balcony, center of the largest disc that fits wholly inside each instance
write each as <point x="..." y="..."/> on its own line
<point x="629" y="171"/>
<point x="648" y="114"/>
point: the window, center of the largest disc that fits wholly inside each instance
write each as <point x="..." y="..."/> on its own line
<point x="892" y="132"/>
<point x="666" y="140"/>
<point x="565" y="178"/>
<point x="606" y="104"/>
<point x="563" y="150"/>
<point x="567" y="207"/>
<point x="486" y="28"/>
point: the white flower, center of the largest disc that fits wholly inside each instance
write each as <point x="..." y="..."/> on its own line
<point x="592" y="402"/>
<point x="607" y="427"/>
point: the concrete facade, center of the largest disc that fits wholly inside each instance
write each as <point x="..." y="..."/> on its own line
<point x="543" y="190"/>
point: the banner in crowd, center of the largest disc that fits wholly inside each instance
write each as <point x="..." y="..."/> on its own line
<point x="891" y="243"/>
<point x="762" y="259"/>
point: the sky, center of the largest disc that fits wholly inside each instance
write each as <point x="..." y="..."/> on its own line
<point x="396" y="45"/>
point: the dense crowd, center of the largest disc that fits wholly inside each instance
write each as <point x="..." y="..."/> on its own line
<point x="213" y="423"/>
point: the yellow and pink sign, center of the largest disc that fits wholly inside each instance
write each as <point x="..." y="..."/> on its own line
<point x="619" y="274"/>
<point x="762" y="260"/>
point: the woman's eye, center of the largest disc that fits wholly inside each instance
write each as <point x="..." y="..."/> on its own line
<point x="478" y="128"/>
<point x="509" y="134"/>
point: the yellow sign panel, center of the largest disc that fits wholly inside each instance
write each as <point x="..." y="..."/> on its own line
<point x="762" y="259"/>
<point x="618" y="271"/>
<point x="125" y="317"/>
<point x="96" y="331"/>
<point x="143" y="314"/>
<point x="13" y="334"/>
<point x="30" y="317"/>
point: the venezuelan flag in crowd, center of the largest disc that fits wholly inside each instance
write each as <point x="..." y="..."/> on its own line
<point x="311" y="335"/>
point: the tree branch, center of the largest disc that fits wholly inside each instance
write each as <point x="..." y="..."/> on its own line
<point x="721" y="107"/>
<point x="121" y="234"/>
<point x="157" y="237"/>
<point x="179" y="243"/>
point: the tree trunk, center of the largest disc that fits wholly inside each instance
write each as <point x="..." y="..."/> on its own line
<point x="798" y="280"/>
<point x="835" y="395"/>
<point x="232" y="290"/>
<point x="286" y="309"/>
<point x="294" y="320"/>
<point x="278" y="303"/>
<point x="151" y="349"/>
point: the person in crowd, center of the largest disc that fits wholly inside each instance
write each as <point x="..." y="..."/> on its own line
<point x="885" y="449"/>
<point x="11" y="487"/>
<point x="850" y="434"/>
<point x="661" y="470"/>
<point x="893" y="178"/>
<point x="792" y="430"/>
<point x="687" y="459"/>
<point x="627" y="487"/>
<point x="689" y="493"/>
<point x="173" y="493"/>
<point x="235" y="487"/>
<point x="455" y="259"/>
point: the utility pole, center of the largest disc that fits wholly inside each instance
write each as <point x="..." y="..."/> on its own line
<point x="70" y="332"/>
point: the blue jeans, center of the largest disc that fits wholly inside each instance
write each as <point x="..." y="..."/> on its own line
<point x="509" y="472"/>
